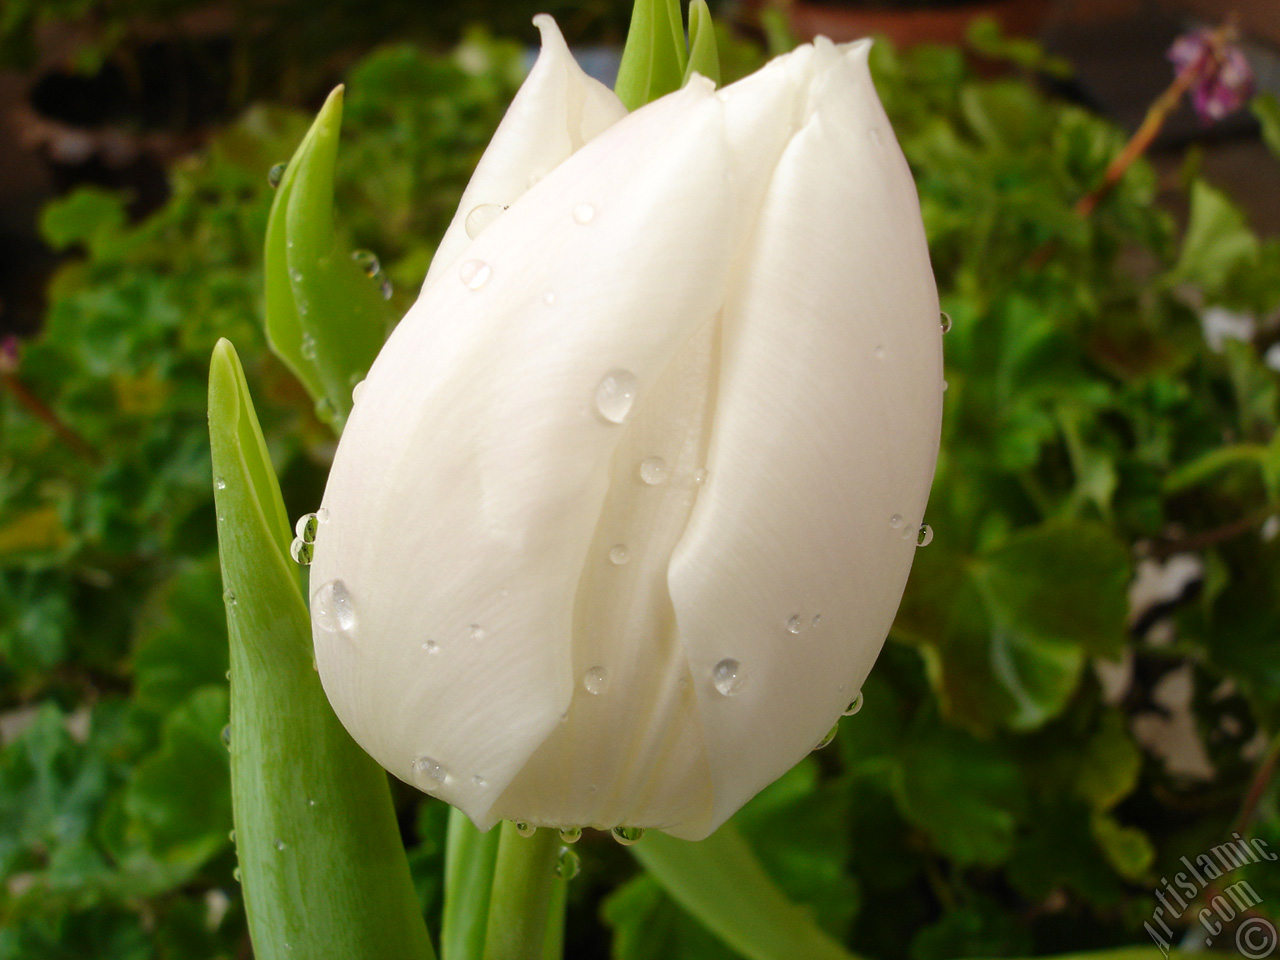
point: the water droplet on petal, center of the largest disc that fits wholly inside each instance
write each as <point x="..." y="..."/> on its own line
<point x="944" y="386"/>
<point x="431" y="646"/>
<point x="356" y="391"/>
<point x="475" y="273"/>
<point x="323" y="514"/>
<point x="879" y="352"/>
<point x="308" y="345"/>
<point x="700" y="476"/>
<point x="549" y="297"/>
<point x="619" y="554"/>
<point x="627" y="835"/>
<point x="570" y="834"/>
<point x="584" y="213"/>
<point x="596" y="680"/>
<point x="896" y="521"/>
<point x="475" y="632"/>
<point x="728" y="677"/>
<point x="301" y="551"/>
<point x="306" y="527"/>
<point x="924" y="536"/>
<point x="428" y="774"/>
<point x="276" y="174"/>
<point x="332" y="609"/>
<point x="817" y="619"/>
<point x="567" y="864"/>
<point x="480" y="216"/>
<point x="219" y="483"/>
<point x="826" y="741"/>
<point x="615" y="395"/>
<point x="854" y="705"/>
<point x="794" y="624"/>
<point x="367" y="261"/>
<point x="946" y="321"/>
<point x="525" y="829"/>
<point x="479" y="781"/>
<point x="876" y="135"/>
<point x="226" y="736"/>
<point x="653" y="470"/>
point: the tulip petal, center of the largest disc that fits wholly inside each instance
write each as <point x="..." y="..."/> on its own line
<point x="826" y="429"/>
<point x="556" y="111"/>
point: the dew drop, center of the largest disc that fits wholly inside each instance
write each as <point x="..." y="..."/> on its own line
<point x="276" y="174"/>
<point x="475" y="632"/>
<point x="301" y="551"/>
<point x="311" y="802"/>
<point x="431" y="646"/>
<point x="295" y="274"/>
<point x="219" y="483"/>
<point x="232" y="836"/>
<point x="728" y="677"/>
<point x="428" y="774"/>
<point x="323" y="514"/>
<point x="332" y="608"/>
<point x="619" y="554"/>
<point x="830" y="735"/>
<point x="525" y="829"/>
<point x="475" y="273"/>
<point x="226" y="736"/>
<point x="615" y="395"/>
<point x="924" y="536"/>
<point x="480" y="217"/>
<point x="584" y="213"/>
<point x="228" y="674"/>
<point x="479" y="781"/>
<point x="817" y="619"/>
<point x="356" y="391"/>
<point x="876" y="135"/>
<point x="879" y="352"/>
<point x="653" y="470"/>
<point x="279" y="844"/>
<point x="570" y="834"/>
<point x="568" y="864"/>
<point x="367" y="261"/>
<point x="944" y="386"/>
<point x="794" y="624"/>
<point x="386" y="289"/>
<point x="700" y="476"/>
<point x="946" y="321"/>
<point x="307" y="347"/>
<point x="549" y="297"/>
<point x="306" y="527"/>
<point x="596" y="680"/>
<point x="229" y="597"/>
<point x="235" y="874"/>
<point x="896" y="521"/>
<point x="627" y="835"/>
<point x="854" y="705"/>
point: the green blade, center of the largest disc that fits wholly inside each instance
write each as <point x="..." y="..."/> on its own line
<point x="470" y="859"/>
<point x="720" y="882"/>
<point x="704" y="57"/>
<point x="321" y="862"/>
<point x="654" y="57"/>
<point x="326" y="317"/>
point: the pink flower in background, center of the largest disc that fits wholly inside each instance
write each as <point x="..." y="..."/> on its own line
<point x="1222" y="79"/>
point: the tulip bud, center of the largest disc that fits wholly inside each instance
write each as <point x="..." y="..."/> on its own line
<point x="627" y="503"/>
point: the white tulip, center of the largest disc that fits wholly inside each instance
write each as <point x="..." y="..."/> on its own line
<point x="628" y="501"/>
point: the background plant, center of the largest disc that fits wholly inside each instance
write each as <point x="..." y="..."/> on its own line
<point x="992" y="797"/>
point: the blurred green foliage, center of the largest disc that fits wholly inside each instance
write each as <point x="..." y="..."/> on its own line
<point x="993" y="797"/>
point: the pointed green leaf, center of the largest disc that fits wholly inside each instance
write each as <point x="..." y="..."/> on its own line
<point x="704" y="57"/>
<point x="470" y="858"/>
<point x="321" y="861"/>
<point x="654" y="57"/>
<point x="326" y="317"/>
<point x="721" y="882"/>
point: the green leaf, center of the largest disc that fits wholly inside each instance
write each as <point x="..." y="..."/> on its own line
<point x="321" y="861"/>
<point x="1266" y="108"/>
<point x="1218" y="241"/>
<point x="89" y="215"/>
<point x="721" y="882"/>
<point x="326" y="318"/>
<point x="704" y="57"/>
<point x="647" y="925"/>
<point x="1109" y="763"/>
<point x="1127" y="848"/>
<point x="653" y="60"/>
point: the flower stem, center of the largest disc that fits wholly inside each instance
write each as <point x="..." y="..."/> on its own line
<point x="524" y="886"/>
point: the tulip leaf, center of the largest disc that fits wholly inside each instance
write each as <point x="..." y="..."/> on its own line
<point x="470" y="860"/>
<point x="722" y="883"/>
<point x="654" y="58"/>
<point x="326" y="316"/>
<point x="322" y="866"/>
<point x="704" y="58"/>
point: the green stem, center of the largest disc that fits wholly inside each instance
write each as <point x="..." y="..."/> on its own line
<point x="470" y="860"/>
<point x="523" y="894"/>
